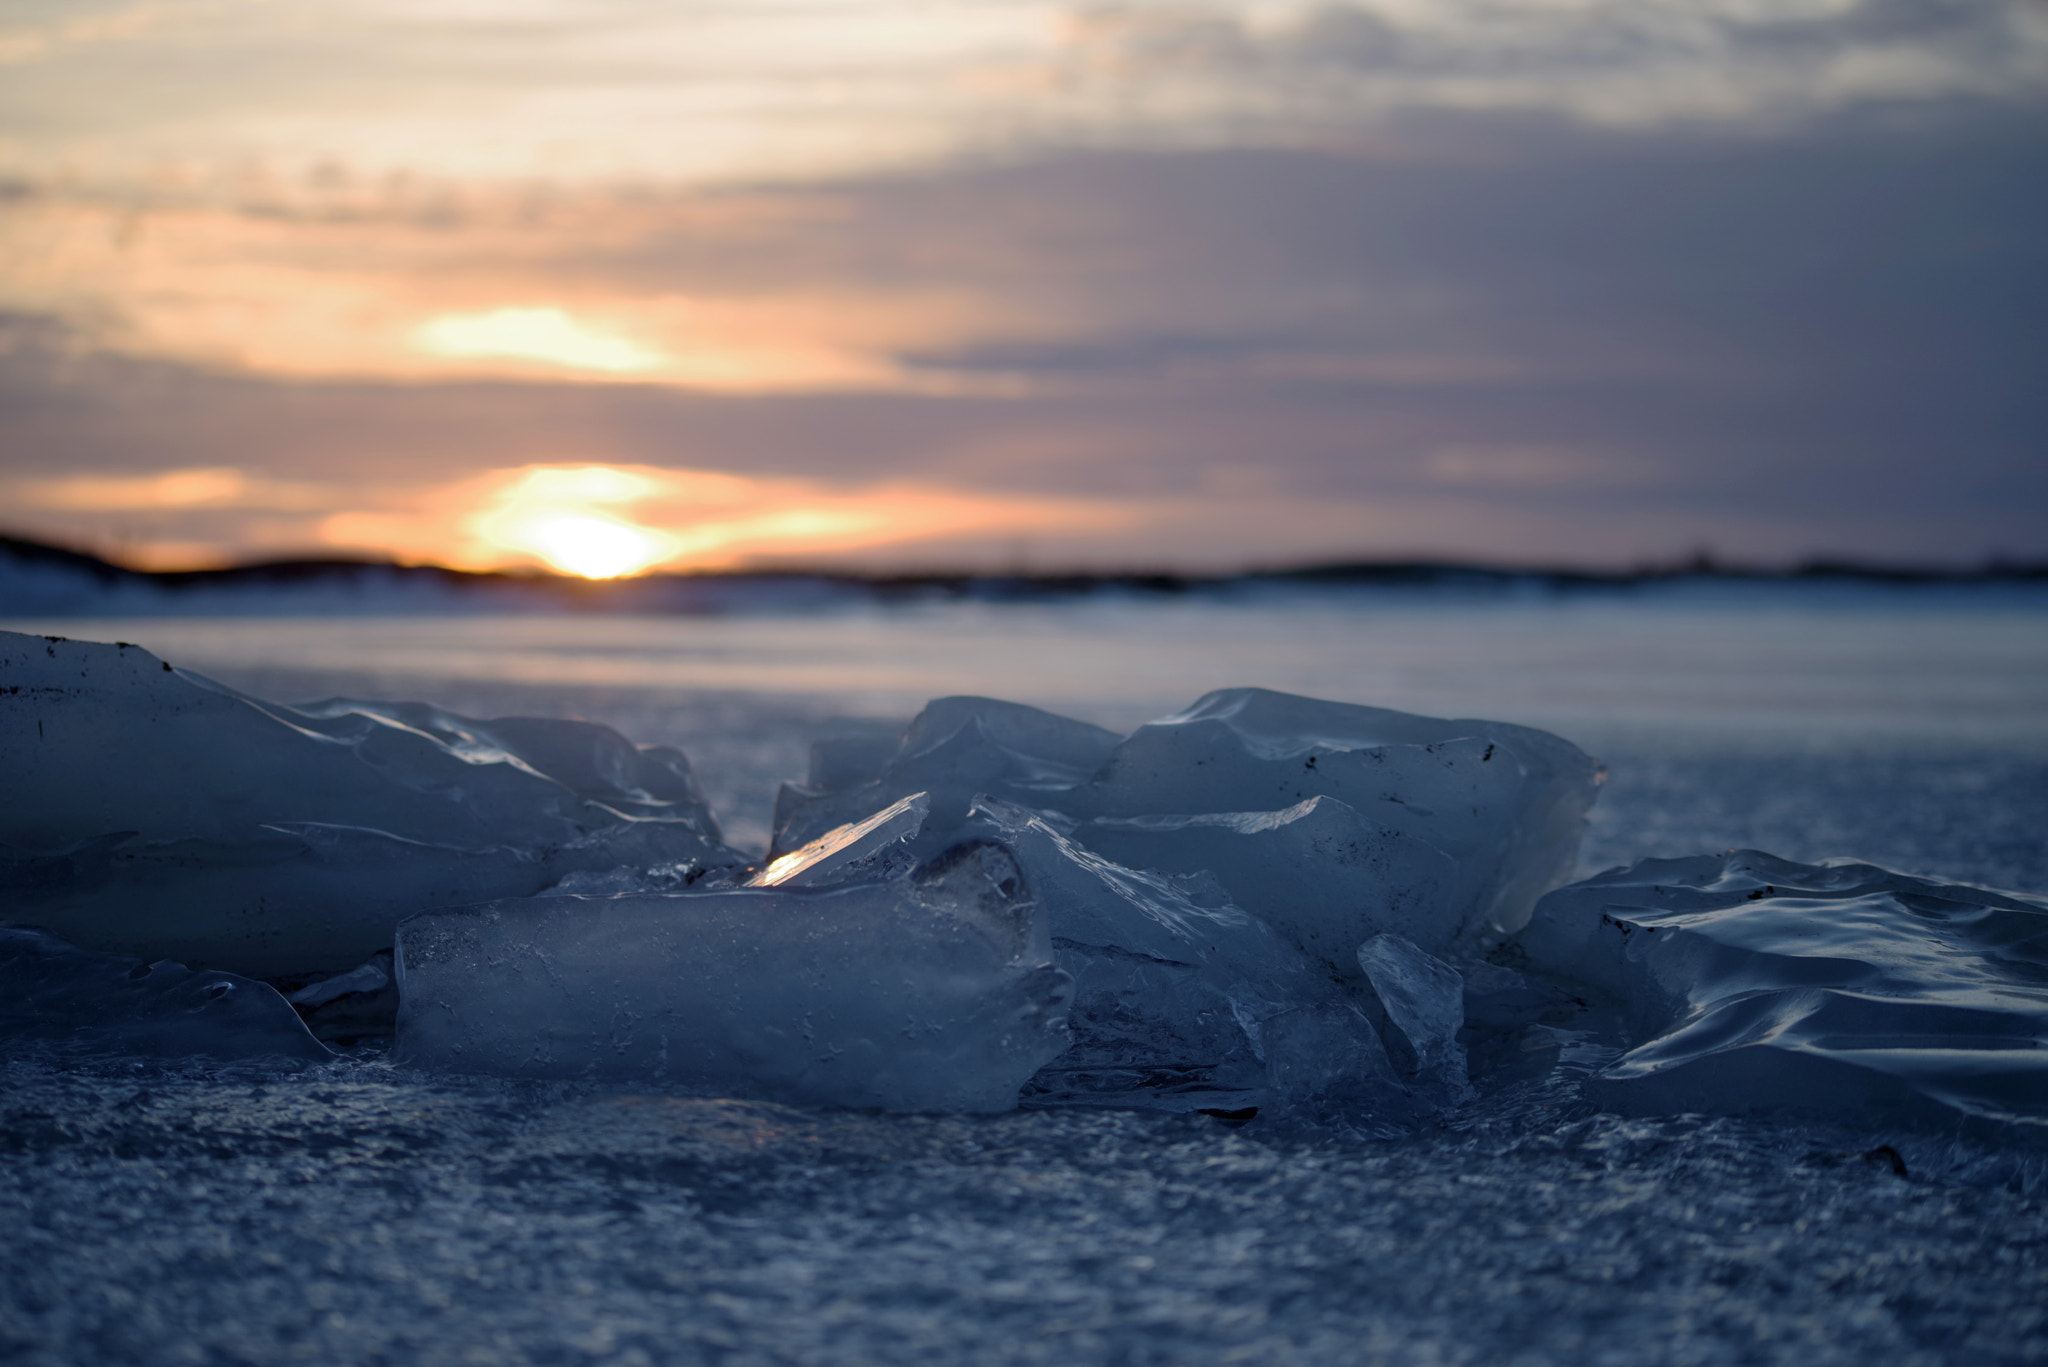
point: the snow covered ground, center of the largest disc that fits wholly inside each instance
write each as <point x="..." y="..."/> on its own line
<point x="360" y="1212"/>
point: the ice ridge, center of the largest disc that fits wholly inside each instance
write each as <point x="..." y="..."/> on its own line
<point x="1263" y="903"/>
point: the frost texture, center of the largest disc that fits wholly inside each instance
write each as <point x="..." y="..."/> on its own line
<point x="930" y="991"/>
<point x="58" y="996"/>
<point x="1754" y="983"/>
<point x="171" y="817"/>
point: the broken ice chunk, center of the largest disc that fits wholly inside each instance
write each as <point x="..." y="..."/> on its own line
<point x="844" y="846"/>
<point x="1173" y="985"/>
<point x="1424" y="999"/>
<point x="373" y="976"/>
<point x="593" y="762"/>
<point x="923" y="993"/>
<point x="955" y="750"/>
<point x="161" y="814"/>
<point x="1505" y="803"/>
<point x="1754" y="983"/>
<point x="1317" y="872"/>
<point x="349" y="1008"/>
<point x="56" y="995"/>
<point x="110" y="738"/>
<point x="1501" y="807"/>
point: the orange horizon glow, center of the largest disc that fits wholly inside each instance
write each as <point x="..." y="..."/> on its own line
<point x="606" y="522"/>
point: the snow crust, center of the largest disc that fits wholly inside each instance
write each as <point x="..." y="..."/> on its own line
<point x="200" y="1214"/>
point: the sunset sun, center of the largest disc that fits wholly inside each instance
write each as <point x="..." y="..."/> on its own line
<point x="593" y="547"/>
<point x="565" y="517"/>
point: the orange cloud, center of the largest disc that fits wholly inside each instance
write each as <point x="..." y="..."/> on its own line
<point x="379" y="287"/>
<point x="167" y="491"/>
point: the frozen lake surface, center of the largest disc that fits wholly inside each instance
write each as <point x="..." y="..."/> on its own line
<point x="356" y="1212"/>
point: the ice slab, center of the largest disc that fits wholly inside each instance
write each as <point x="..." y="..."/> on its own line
<point x="931" y="991"/>
<point x="292" y="897"/>
<point x="1843" y="989"/>
<point x="165" y="815"/>
<point x="277" y="901"/>
<point x="110" y="738"/>
<point x="59" y="996"/>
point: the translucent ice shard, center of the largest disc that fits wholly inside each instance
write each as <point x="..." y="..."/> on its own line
<point x="518" y="769"/>
<point x="56" y="995"/>
<point x="928" y="992"/>
<point x="154" y="812"/>
<point x="1754" y="983"/>
<point x="348" y="1008"/>
<point x="841" y="848"/>
<point x="373" y="976"/>
<point x="1424" y="999"/>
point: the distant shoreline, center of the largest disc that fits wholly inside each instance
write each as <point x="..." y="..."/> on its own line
<point x="36" y="576"/>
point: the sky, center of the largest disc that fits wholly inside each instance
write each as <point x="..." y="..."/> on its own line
<point x="618" y="285"/>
